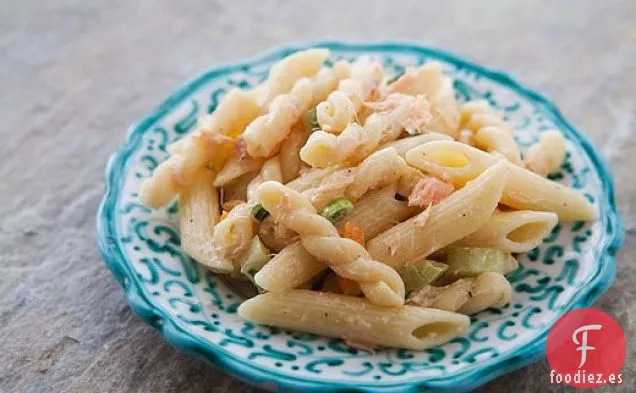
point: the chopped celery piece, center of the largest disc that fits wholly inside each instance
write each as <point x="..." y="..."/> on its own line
<point x="419" y="274"/>
<point x="254" y="258"/>
<point x="473" y="261"/>
<point x="337" y="209"/>
<point x="259" y="212"/>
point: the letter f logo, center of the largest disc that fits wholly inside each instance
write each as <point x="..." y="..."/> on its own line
<point x="583" y="345"/>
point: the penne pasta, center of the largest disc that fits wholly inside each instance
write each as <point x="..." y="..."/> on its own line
<point x="457" y="216"/>
<point x="236" y="167"/>
<point x="198" y="213"/>
<point x="377" y="211"/>
<point x="237" y="190"/>
<point x="289" y="269"/>
<point x="524" y="189"/>
<point x="515" y="231"/>
<point x="354" y="319"/>
<point x="310" y="179"/>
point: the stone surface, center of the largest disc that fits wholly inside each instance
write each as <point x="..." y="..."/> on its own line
<point x="74" y="74"/>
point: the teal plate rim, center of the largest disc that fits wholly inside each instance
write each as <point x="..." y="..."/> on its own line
<point x="190" y="344"/>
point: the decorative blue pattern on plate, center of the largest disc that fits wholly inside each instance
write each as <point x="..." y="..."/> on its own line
<point x="196" y="311"/>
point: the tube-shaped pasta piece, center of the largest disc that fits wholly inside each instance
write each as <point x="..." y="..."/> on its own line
<point x="397" y="112"/>
<point x="289" y="154"/>
<point x="198" y="213"/>
<point x="377" y="211"/>
<point x="236" y="167"/>
<point x="548" y="154"/>
<point x="311" y="179"/>
<point x="402" y="146"/>
<point x="341" y="106"/>
<point x="284" y="74"/>
<point x="264" y="135"/>
<point x="355" y="319"/>
<point x="212" y="143"/>
<point x="290" y="268"/>
<point x="516" y="231"/>
<point x="524" y="189"/>
<point x="237" y="190"/>
<point x="457" y="216"/>
<point x="161" y="187"/>
<point x="380" y="284"/>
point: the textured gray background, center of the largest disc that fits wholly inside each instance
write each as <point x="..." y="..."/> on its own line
<point x="74" y="74"/>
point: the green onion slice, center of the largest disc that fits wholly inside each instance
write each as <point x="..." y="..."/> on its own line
<point x="311" y="120"/>
<point x="337" y="209"/>
<point x="259" y="212"/>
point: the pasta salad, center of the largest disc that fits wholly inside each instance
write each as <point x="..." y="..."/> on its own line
<point x="361" y="206"/>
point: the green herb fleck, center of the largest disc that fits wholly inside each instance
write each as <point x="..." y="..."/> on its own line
<point x="395" y="77"/>
<point x="259" y="212"/>
<point x="312" y="120"/>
